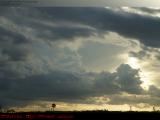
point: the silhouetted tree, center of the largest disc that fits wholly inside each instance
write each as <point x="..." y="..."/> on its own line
<point x="53" y="106"/>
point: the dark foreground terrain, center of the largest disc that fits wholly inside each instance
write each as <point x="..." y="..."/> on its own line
<point x="82" y="115"/>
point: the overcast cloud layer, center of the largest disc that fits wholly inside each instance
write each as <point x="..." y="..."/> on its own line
<point x="38" y="60"/>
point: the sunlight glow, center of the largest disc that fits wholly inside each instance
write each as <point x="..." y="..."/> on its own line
<point x="133" y="62"/>
<point x="146" y="80"/>
<point x="144" y="75"/>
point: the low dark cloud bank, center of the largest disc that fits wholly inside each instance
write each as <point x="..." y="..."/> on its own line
<point x="65" y="86"/>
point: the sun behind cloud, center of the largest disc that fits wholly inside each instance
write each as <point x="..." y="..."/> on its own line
<point x="133" y="62"/>
<point x="144" y="75"/>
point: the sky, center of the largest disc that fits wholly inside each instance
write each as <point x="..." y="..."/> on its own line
<point x="93" y="3"/>
<point x="81" y="58"/>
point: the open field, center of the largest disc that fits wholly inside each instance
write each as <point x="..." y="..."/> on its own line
<point x="82" y="115"/>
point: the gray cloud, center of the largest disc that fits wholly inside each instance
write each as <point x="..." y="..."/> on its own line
<point x="10" y="36"/>
<point x="46" y="26"/>
<point x="125" y="79"/>
<point x="131" y="25"/>
<point x="133" y="100"/>
<point x="142" y="55"/>
<point x="154" y="91"/>
<point x="147" y="10"/>
<point x="26" y="70"/>
<point x="129" y="79"/>
<point x="16" y="53"/>
<point x="150" y="97"/>
<point x="148" y="54"/>
<point x="67" y="86"/>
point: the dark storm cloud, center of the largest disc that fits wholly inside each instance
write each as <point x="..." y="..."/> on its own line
<point x="65" y="33"/>
<point x="131" y="25"/>
<point x="8" y="35"/>
<point x="143" y="28"/>
<point x="13" y="46"/>
<point x="16" y="53"/>
<point x="129" y="79"/>
<point x="57" y="85"/>
<point x="125" y="79"/>
<point x="66" y="86"/>
<point x="20" y="82"/>
<point x="4" y="84"/>
<point x="46" y="26"/>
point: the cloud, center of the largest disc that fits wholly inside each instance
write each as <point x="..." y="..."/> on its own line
<point x="125" y="79"/>
<point x="44" y="26"/>
<point x="129" y="79"/>
<point x="35" y="66"/>
<point x="69" y="86"/>
<point x="142" y="54"/>
<point x="16" y="53"/>
<point x="133" y="100"/>
<point x="150" y="97"/>
<point x="148" y="60"/>
<point x="147" y="10"/>
<point x="51" y="23"/>
<point x="24" y="37"/>
<point x="143" y="28"/>
<point x="90" y="51"/>
<point x="154" y="91"/>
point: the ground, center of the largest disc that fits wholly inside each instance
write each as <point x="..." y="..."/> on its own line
<point x="82" y="115"/>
